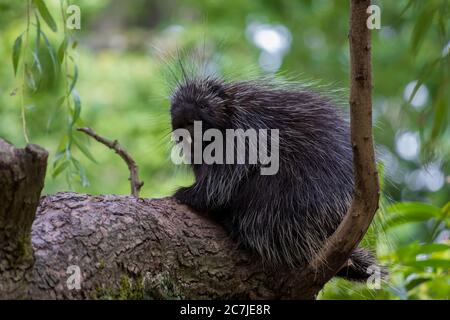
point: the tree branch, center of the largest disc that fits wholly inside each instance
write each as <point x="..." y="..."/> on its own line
<point x="137" y="248"/>
<point x="123" y="247"/>
<point x="136" y="184"/>
<point x="366" y="193"/>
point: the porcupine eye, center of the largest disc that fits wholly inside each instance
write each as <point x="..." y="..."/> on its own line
<point x="203" y="105"/>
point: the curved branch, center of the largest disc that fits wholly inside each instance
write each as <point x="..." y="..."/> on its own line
<point x="136" y="184"/>
<point x="366" y="194"/>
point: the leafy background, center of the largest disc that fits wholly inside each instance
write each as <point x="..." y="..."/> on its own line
<point x="112" y="75"/>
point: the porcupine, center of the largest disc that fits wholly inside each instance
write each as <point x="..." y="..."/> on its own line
<point x="286" y="217"/>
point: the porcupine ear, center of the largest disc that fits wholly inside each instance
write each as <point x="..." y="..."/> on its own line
<point x="219" y="90"/>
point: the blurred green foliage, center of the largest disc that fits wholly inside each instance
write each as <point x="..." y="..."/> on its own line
<point x="111" y="75"/>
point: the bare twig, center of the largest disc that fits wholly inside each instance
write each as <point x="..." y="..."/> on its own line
<point x="136" y="184"/>
<point x="366" y="194"/>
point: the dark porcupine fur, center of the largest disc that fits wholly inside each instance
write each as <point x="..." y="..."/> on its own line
<point x="283" y="218"/>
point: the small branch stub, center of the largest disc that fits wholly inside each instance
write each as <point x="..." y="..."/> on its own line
<point x="22" y="174"/>
<point x="136" y="184"/>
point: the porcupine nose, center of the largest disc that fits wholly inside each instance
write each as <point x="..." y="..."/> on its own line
<point x="183" y="115"/>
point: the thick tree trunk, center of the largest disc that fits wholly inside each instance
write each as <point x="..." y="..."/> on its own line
<point x="82" y="246"/>
<point x="137" y="248"/>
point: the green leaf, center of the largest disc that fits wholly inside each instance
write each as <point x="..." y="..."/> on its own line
<point x="408" y="212"/>
<point x="62" y="144"/>
<point x="433" y="247"/>
<point x="30" y="78"/>
<point x="416" y="282"/>
<point x="421" y="28"/>
<point x="50" y="51"/>
<point x="409" y="252"/>
<point x="68" y="149"/>
<point x="446" y="209"/>
<point x="84" y="150"/>
<point x="440" y="110"/>
<point x="81" y="172"/>
<point x="415" y="89"/>
<point x="55" y="112"/>
<point x="60" y="168"/>
<point x="17" y="48"/>
<point x="74" y="79"/>
<point x="426" y="71"/>
<point x="45" y="14"/>
<point x="60" y="151"/>
<point x="434" y="263"/>
<point x="77" y="106"/>
<point x="58" y="157"/>
<point x="37" y="62"/>
<point x="62" y="50"/>
<point x="38" y="31"/>
<point x="408" y="5"/>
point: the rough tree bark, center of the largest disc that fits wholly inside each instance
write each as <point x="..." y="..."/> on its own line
<point x="136" y="248"/>
<point x="124" y="247"/>
<point x="22" y="173"/>
<point x="127" y="247"/>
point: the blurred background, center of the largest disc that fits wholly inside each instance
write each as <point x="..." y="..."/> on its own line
<point x="111" y="75"/>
